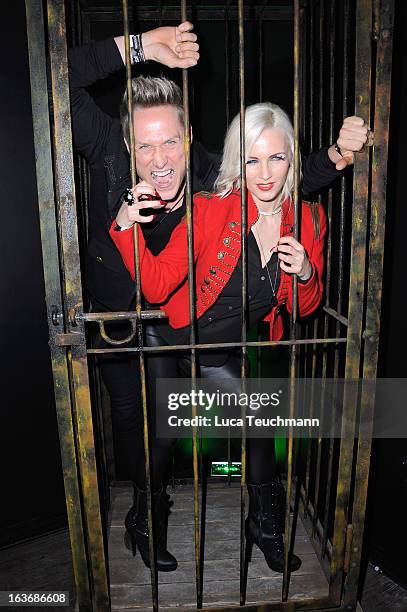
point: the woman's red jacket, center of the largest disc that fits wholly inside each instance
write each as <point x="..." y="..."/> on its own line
<point x="217" y="229"/>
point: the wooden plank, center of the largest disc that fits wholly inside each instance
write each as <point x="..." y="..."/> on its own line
<point x="217" y="592"/>
<point x="130" y="579"/>
<point x="215" y="530"/>
<point x="184" y="550"/>
<point x="183" y="500"/>
<point x="218" y="509"/>
<point x="124" y="572"/>
<point x="45" y="564"/>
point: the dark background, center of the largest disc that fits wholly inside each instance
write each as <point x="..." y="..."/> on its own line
<point x="31" y="482"/>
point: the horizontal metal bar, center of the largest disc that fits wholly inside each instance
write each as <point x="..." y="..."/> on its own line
<point x="187" y="347"/>
<point x="98" y="317"/>
<point x="148" y="13"/>
<point x="335" y="314"/>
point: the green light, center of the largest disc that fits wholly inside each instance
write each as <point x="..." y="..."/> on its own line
<point x="280" y="449"/>
<point x="223" y="468"/>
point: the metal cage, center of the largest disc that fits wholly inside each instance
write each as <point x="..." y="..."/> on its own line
<point x="342" y="58"/>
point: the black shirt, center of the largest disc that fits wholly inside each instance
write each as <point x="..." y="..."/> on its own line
<point x="158" y="232"/>
<point x="222" y="322"/>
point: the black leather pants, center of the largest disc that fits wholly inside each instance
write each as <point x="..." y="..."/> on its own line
<point x="261" y="456"/>
<point x="122" y="378"/>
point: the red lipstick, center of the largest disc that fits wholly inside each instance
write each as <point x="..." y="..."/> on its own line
<point x="265" y="186"/>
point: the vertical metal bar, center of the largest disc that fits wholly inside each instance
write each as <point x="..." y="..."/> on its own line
<point x="384" y="18"/>
<point x="107" y="459"/>
<point x="293" y="320"/>
<point x="356" y="296"/>
<point x="227" y="113"/>
<point x="341" y="252"/>
<point x="80" y="163"/>
<point x="303" y="65"/>
<point x="260" y="53"/>
<point x="243" y="176"/>
<point x="311" y="78"/>
<point x="133" y="173"/>
<point x="302" y="356"/>
<point x="65" y="192"/>
<point x="49" y="245"/>
<point x="229" y="455"/>
<point x="310" y="445"/>
<point x="259" y="353"/>
<point x="153" y="571"/>
<point x="321" y="115"/>
<point x="227" y="66"/>
<point x="332" y="7"/>
<point x="345" y="102"/>
<point x="311" y="328"/>
<point x="188" y="201"/>
<point x="243" y="197"/>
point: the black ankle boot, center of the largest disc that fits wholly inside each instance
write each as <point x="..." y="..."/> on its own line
<point x="265" y="525"/>
<point x="136" y="523"/>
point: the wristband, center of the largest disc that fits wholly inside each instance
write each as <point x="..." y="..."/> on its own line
<point x="119" y="228"/>
<point x="136" y="49"/>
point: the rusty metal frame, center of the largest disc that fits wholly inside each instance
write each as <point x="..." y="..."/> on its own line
<point x="341" y="555"/>
<point x="53" y="294"/>
<point x="69" y="366"/>
<point x="383" y="15"/>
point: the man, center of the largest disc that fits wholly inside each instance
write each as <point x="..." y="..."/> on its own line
<point x="158" y="133"/>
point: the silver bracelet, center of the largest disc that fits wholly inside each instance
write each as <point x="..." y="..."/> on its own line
<point x="136" y="49"/>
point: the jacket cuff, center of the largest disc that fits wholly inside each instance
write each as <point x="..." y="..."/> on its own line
<point x="120" y="236"/>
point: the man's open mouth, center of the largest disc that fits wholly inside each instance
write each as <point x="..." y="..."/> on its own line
<point x="162" y="178"/>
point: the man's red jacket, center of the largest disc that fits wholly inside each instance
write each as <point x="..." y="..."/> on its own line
<point x="216" y="223"/>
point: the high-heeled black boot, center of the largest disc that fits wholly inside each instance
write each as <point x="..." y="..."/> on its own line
<point x="136" y="523"/>
<point x="265" y="525"/>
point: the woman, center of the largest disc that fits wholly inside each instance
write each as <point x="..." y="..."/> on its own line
<point x="274" y="257"/>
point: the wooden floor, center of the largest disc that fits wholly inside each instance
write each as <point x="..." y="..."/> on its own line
<point x="130" y="579"/>
<point x="45" y="564"/>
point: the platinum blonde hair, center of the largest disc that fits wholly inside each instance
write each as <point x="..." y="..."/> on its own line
<point x="258" y="117"/>
<point x="147" y="93"/>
